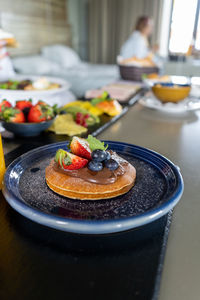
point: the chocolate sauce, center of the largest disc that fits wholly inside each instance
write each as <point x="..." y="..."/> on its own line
<point x="105" y="176"/>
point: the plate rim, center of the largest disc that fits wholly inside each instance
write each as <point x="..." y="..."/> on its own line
<point x="143" y="102"/>
<point x="92" y="226"/>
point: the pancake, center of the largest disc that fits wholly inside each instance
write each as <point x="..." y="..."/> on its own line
<point x="78" y="188"/>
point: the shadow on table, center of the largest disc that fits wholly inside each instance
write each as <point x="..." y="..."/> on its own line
<point x="53" y="263"/>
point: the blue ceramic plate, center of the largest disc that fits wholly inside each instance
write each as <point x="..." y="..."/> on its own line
<point x="157" y="190"/>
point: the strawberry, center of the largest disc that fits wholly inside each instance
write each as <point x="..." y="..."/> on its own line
<point x="80" y="147"/>
<point x="4" y="104"/>
<point x="35" y="115"/>
<point x="69" y="161"/>
<point x="23" y="104"/>
<point x="39" y="113"/>
<point x="40" y="102"/>
<point x="13" y="115"/>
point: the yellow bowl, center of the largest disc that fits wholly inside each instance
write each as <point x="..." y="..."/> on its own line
<point x="171" y="93"/>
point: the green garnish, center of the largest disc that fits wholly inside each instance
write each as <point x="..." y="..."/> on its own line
<point x="47" y="110"/>
<point x="55" y="109"/>
<point x="8" y="113"/>
<point x="104" y="97"/>
<point x="67" y="160"/>
<point x="14" y="85"/>
<point x="62" y="157"/>
<point x="4" y="86"/>
<point x="144" y="76"/>
<point x="74" y="109"/>
<point x="95" y="101"/>
<point x="95" y="144"/>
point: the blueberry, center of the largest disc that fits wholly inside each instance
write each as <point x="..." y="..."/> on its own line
<point x="108" y="156"/>
<point x="95" y="166"/>
<point x="62" y="112"/>
<point x="99" y="155"/>
<point x="111" y="164"/>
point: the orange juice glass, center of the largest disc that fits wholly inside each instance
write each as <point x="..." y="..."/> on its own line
<point x="2" y="163"/>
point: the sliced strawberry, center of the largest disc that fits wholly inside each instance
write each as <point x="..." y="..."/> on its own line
<point x="77" y="162"/>
<point x="69" y="161"/>
<point x="4" y="104"/>
<point x="80" y="147"/>
<point x="13" y="115"/>
<point x="22" y="104"/>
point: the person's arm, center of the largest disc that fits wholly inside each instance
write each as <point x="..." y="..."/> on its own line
<point x="155" y="48"/>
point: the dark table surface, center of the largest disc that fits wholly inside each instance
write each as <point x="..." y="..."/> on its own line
<point x="38" y="263"/>
<point x="42" y="263"/>
<point x="178" y="138"/>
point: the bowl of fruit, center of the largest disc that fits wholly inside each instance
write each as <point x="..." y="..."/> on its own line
<point x="26" y="119"/>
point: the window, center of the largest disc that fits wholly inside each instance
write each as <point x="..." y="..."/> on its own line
<point x="197" y="41"/>
<point x="185" y="26"/>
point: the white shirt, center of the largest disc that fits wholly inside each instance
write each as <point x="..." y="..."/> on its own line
<point x="136" y="45"/>
<point x="6" y="68"/>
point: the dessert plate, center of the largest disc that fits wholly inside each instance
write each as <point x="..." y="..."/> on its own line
<point x="188" y="104"/>
<point x="158" y="188"/>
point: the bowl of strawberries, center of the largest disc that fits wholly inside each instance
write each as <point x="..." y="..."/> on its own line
<point x="25" y="119"/>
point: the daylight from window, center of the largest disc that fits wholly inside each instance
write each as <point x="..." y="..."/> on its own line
<point x="182" y="26"/>
<point x="197" y="42"/>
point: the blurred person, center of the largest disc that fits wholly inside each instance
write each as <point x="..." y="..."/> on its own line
<point x="138" y="43"/>
<point x="6" y="67"/>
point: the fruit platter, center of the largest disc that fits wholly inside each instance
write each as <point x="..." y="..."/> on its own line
<point x="75" y="118"/>
<point x="84" y="117"/>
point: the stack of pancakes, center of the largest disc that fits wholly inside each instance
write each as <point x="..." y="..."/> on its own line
<point x="77" y="188"/>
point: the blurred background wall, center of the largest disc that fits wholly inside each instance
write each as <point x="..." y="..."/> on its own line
<point x="78" y="18"/>
<point x="95" y="29"/>
<point x="35" y="23"/>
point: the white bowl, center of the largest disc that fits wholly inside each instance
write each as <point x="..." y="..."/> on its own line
<point x="58" y="96"/>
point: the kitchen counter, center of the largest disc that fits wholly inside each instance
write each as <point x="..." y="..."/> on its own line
<point x="177" y="138"/>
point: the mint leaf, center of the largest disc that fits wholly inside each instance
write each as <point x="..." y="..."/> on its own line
<point x="104" y="97"/>
<point x="95" y="101"/>
<point x="95" y="144"/>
